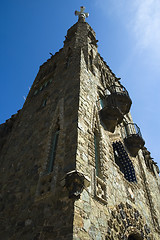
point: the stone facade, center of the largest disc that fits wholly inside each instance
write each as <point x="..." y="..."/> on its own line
<point x="104" y="189"/>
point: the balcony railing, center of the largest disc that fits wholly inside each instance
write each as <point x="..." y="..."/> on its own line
<point x="118" y="89"/>
<point x="131" y="129"/>
<point x="132" y="138"/>
<point x="115" y="104"/>
<point x="121" y="97"/>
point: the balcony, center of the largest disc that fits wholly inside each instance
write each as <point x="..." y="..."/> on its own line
<point x="132" y="138"/>
<point x="115" y="105"/>
<point x="110" y="114"/>
<point x="122" y="99"/>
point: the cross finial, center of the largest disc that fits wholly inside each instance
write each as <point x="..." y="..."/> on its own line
<point x="81" y="15"/>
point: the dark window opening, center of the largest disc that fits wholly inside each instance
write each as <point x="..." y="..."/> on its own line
<point x="44" y="102"/>
<point x="123" y="161"/>
<point x="53" y="149"/>
<point x="91" y="61"/>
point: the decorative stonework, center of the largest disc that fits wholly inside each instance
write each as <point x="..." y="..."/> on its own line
<point x="126" y="220"/>
<point x="81" y="15"/>
<point x="44" y="186"/>
<point x="130" y="195"/>
<point x="100" y="190"/>
<point x="150" y="164"/>
<point x="149" y="199"/>
<point x="74" y="182"/>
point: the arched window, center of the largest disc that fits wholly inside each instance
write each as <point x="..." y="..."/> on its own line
<point x="53" y="149"/>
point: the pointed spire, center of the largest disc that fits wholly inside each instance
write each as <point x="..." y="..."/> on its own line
<point x="81" y="15"/>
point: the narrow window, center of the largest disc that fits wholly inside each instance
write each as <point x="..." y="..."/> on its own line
<point x="36" y="91"/>
<point x="91" y="61"/>
<point x="44" y="102"/>
<point x="97" y="158"/>
<point x="41" y="88"/>
<point x="53" y="150"/>
<point x="101" y="103"/>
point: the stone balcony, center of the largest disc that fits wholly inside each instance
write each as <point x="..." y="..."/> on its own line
<point x="111" y="116"/>
<point x="132" y="138"/>
<point x="115" y="105"/>
<point x="121" y="97"/>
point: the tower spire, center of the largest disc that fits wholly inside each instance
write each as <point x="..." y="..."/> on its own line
<point x="81" y="15"/>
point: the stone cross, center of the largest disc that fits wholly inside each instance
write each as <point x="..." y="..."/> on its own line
<point x="81" y="15"/>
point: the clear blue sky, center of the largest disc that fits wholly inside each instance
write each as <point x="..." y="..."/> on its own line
<point x="129" y="41"/>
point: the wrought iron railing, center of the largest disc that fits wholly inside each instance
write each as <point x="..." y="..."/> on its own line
<point x="109" y="97"/>
<point x="131" y="129"/>
<point x="105" y="102"/>
<point x="119" y="89"/>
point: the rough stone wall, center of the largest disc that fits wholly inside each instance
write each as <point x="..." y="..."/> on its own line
<point x="31" y="201"/>
<point x="111" y="207"/>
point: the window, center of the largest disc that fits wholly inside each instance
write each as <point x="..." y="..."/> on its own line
<point x="101" y="103"/>
<point x="43" y="85"/>
<point x="91" y="61"/>
<point x="53" y="150"/>
<point x="123" y="161"/>
<point x="97" y="157"/>
<point x="44" y="102"/>
<point x="118" y="161"/>
<point x="36" y="91"/>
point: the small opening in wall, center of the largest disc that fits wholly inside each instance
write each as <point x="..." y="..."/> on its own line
<point x="53" y="150"/>
<point x="135" y="237"/>
<point x="44" y="102"/>
<point x="42" y="192"/>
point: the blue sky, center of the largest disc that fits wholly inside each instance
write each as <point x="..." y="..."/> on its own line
<point x="129" y="41"/>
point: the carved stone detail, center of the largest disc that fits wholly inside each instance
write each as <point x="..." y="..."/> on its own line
<point x="150" y="164"/>
<point x="100" y="190"/>
<point x="126" y="220"/>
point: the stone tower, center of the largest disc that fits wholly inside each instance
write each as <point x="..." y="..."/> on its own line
<point x="72" y="163"/>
